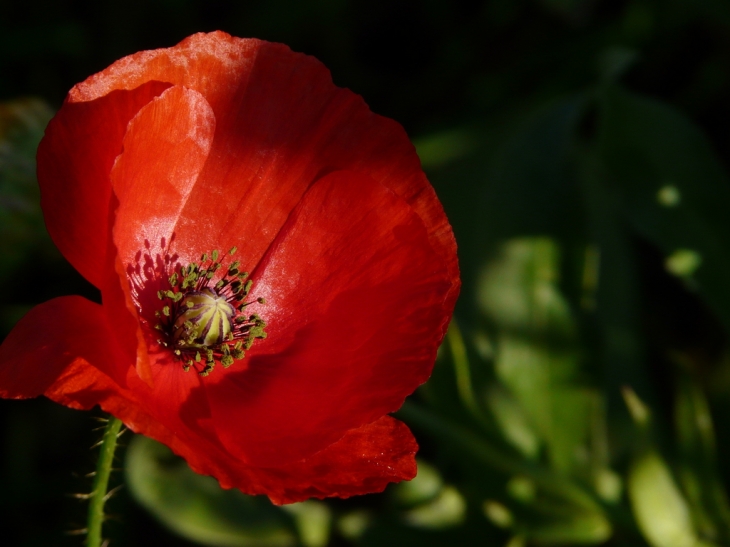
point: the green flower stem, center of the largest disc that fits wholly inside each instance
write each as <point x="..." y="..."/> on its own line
<point x="98" y="495"/>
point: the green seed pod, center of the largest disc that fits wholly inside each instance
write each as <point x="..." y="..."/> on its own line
<point x="208" y="321"/>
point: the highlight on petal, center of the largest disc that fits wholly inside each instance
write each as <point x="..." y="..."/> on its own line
<point x="165" y="147"/>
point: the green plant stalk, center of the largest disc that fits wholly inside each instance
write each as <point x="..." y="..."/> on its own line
<point x="98" y="495"/>
<point x="462" y="370"/>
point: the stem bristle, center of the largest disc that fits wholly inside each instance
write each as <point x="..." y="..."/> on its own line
<point x="99" y="494"/>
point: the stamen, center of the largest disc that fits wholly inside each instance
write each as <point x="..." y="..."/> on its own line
<point x="203" y="321"/>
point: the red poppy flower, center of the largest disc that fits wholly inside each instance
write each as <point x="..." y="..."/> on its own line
<point x="222" y="143"/>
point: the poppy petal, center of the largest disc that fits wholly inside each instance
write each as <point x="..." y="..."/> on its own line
<point x="282" y="124"/>
<point x="355" y="312"/>
<point x="74" y="160"/>
<point x="73" y="364"/>
<point x="62" y="363"/>
<point x="63" y="368"/>
<point x="221" y="142"/>
<point x="365" y="460"/>
<point x="165" y="147"/>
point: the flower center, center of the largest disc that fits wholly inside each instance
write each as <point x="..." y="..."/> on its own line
<point x="205" y="317"/>
<point x="202" y="321"/>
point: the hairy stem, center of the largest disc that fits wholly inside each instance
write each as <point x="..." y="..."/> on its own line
<point x="98" y="494"/>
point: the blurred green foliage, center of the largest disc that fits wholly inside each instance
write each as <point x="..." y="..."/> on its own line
<point x="580" y="148"/>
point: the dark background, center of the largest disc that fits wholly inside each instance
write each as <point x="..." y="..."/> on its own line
<point x="464" y="78"/>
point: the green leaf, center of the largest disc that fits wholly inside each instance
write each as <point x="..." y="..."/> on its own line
<point x="313" y="520"/>
<point x="513" y="177"/>
<point x="474" y="450"/>
<point x="611" y="299"/>
<point x="545" y="518"/>
<point x="660" y="509"/>
<point x="699" y="472"/>
<point x="673" y="189"/>
<point x="531" y="188"/>
<point x="439" y="149"/>
<point x="446" y="510"/>
<point x="537" y="355"/>
<point x="196" y="507"/>
<point x="513" y="421"/>
<point x="428" y="502"/>
<point x="566" y="526"/>
<point x="423" y="488"/>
